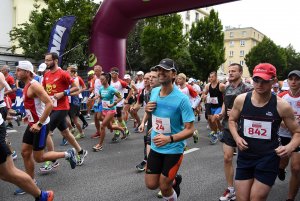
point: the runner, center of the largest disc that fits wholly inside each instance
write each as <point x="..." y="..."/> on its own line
<point x="38" y="106"/>
<point x="235" y="88"/>
<point x="56" y="83"/>
<point x="215" y="90"/>
<point x="128" y="102"/>
<point x="173" y="121"/>
<point x="254" y="122"/>
<point x="91" y="82"/>
<point x="140" y="85"/>
<point x="107" y="93"/>
<point x="292" y="96"/>
<point x="120" y="86"/>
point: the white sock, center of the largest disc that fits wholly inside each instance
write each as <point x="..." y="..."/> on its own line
<point x="67" y="155"/>
<point x="231" y="189"/>
<point x="172" y="197"/>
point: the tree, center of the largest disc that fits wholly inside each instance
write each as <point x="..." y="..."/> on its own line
<point x="33" y="36"/>
<point x="293" y="60"/>
<point x="267" y="52"/>
<point x="134" y="50"/>
<point x="162" y="37"/>
<point x="207" y="45"/>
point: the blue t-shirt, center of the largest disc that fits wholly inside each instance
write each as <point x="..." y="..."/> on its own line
<point x="107" y="97"/>
<point x="171" y="112"/>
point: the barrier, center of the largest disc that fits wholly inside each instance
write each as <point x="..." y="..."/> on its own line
<point x="18" y="105"/>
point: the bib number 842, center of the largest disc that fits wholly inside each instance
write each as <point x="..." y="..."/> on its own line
<point x="257" y="131"/>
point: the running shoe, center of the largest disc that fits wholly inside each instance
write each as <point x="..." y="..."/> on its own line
<point x="220" y="135"/>
<point x="46" y="196"/>
<point x="281" y="174"/>
<point x="228" y="196"/>
<point x="136" y="130"/>
<point x="85" y="125"/>
<point x="176" y="186"/>
<point x="88" y="117"/>
<point x="64" y="142"/>
<point x="80" y="157"/>
<point x="20" y="191"/>
<point x="196" y="136"/>
<point x="79" y="136"/>
<point x="55" y="164"/>
<point x="48" y="166"/>
<point x="97" y="148"/>
<point x="18" y="120"/>
<point x="142" y="166"/>
<point x="9" y="126"/>
<point x="116" y="138"/>
<point x="14" y="155"/>
<point x="72" y="158"/>
<point x="213" y="138"/>
<point x="159" y="194"/>
<point x="127" y="133"/>
<point x="96" y="135"/>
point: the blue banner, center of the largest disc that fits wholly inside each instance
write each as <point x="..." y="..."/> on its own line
<point x="60" y="34"/>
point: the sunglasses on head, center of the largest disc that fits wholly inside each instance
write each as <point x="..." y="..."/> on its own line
<point x="260" y="80"/>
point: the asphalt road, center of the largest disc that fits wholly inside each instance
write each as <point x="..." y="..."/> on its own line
<point x="111" y="174"/>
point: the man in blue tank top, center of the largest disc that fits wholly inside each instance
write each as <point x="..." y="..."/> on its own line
<point x="254" y="122"/>
<point x="172" y="123"/>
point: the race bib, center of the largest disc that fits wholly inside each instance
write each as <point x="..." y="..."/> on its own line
<point x="257" y="129"/>
<point x="125" y="91"/>
<point x="69" y="97"/>
<point x="29" y="115"/>
<point x="161" y="125"/>
<point x="213" y="100"/>
<point x="105" y="104"/>
<point x="54" y="101"/>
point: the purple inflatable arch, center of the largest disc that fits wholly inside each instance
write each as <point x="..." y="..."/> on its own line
<point x="115" y="19"/>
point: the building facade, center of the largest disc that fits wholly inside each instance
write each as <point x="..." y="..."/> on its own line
<point x="238" y="42"/>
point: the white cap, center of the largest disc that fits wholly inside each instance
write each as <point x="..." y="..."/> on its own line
<point x="127" y="76"/>
<point x="25" y="65"/>
<point x="191" y="80"/>
<point x="285" y="85"/>
<point x="42" y="67"/>
<point x="140" y="73"/>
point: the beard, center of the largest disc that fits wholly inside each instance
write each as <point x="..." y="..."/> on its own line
<point x="51" y="66"/>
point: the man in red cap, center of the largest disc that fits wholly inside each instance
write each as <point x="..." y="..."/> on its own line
<point x="254" y="122"/>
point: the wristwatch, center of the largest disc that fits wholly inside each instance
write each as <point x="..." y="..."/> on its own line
<point x="40" y="124"/>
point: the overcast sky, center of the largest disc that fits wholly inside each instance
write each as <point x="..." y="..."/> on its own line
<point x="279" y="20"/>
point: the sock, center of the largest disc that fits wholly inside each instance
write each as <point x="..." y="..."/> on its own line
<point x="123" y="124"/>
<point x="38" y="198"/>
<point x="172" y="197"/>
<point x="67" y="155"/>
<point x="231" y="189"/>
<point x="80" y="152"/>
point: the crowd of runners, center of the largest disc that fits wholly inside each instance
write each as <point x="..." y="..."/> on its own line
<point x="256" y="120"/>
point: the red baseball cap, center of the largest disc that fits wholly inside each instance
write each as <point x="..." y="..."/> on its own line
<point x="265" y="71"/>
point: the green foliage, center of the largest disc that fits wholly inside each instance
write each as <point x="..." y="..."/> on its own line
<point x="293" y="60"/>
<point x="134" y="50"/>
<point x="207" y="45"/>
<point x="33" y="37"/>
<point x="267" y="52"/>
<point x="162" y="37"/>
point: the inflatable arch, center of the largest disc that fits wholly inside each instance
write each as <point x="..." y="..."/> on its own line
<point x="115" y="19"/>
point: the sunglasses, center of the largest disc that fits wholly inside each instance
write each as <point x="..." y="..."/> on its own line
<point x="259" y="80"/>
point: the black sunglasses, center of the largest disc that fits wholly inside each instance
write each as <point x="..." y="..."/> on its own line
<point x="260" y="80"/>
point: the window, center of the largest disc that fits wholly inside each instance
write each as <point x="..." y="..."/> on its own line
<point x="254" y="34"/>
<point x="242" y="42"/>
<point x="231" y="53"/>
<point x="231" y="43"/>
<point x="197" y="16"/>
<point x="242" y="53"/>
<point x="242" y="63"/>
<point x="187" y="16"/>
<point x="254" y="43"/>
<point x="244" y="33"/>
<point x="231" y="35"/>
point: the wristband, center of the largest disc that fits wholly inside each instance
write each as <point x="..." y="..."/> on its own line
<point x="172" y="140"/>
<point x="67" y="92"/>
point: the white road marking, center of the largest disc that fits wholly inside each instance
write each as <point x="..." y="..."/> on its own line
<point x="11" y="131"/>
<point x="191" y="150"/>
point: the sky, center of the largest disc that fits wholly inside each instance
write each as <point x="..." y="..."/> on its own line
<point x="278" y="20"/>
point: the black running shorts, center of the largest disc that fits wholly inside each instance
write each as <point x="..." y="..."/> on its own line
<point x="37" y="140"/>
<point x="58" y="120"/>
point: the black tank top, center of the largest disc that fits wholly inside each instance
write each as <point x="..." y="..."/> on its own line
<point x="259" y="127"/>
<point x="216" y="93"/>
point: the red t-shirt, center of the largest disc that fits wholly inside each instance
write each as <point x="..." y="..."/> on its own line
<point x="81" y="82"/>
<point x="56" y="82"/>
<point x="11" y="81"/>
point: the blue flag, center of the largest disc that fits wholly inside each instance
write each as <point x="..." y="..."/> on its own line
<point x="60" y="34"/>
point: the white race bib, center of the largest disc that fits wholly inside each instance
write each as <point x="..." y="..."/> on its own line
<point x="161" y="125"/>
<point x="54" y="101"/>
<point x="105" y="104"/>
<point x="213" y="100"/>
<point x="70" y="100"/>
<point x="29" y="115"/>
<point x="257" y="129"/>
